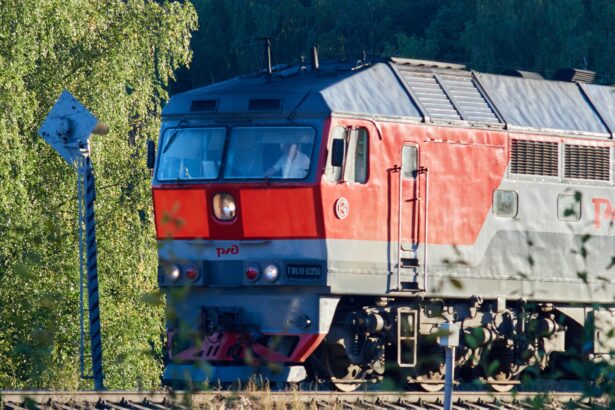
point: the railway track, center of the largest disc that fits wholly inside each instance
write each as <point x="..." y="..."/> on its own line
<point x="162" y="400"/>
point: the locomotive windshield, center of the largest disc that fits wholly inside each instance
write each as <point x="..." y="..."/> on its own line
<point x="191" y="153"/>
<point x="269" y="152"/>
<point x="252" y="153"/>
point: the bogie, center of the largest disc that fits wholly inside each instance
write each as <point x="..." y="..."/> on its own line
<point x="497" y="342"/>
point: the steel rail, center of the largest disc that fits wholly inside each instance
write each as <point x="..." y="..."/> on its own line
<point x="159" y="400"/>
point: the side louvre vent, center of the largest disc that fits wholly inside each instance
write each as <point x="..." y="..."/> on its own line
<point x="534" y="158"/>
<point x="582" y="162"/>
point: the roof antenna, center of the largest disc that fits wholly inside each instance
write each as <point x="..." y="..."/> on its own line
<point x="315" y="65"/>
<point x="267" y="42"/>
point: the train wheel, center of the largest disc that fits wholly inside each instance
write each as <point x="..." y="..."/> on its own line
<point x="430" y="375"/>
<point x="431" y="388"/>
<point x="344" y="375"/>
<point x="498" y="382"/>
<point x="503" y="353"/>
<point x="431" y="381"/>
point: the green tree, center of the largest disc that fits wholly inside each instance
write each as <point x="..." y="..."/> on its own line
<point x="228" y="45"/>
<point x="563" y="36"/>
<point x="601" y="39"/>
<point x="117" y="57"/>
<point x="487" y="35"/>
<point x="541" y="36"/>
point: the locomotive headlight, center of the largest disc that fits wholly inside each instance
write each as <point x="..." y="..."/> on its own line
<point x="174" y="273"/>
<point x="224" y="207"/>
<point x="270" y="273"/>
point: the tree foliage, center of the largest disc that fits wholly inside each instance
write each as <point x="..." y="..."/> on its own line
<point x="534" y="35"/>
<point x="117" y="58"/>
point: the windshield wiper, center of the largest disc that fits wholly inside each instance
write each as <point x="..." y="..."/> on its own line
<point x="171" y="139"/>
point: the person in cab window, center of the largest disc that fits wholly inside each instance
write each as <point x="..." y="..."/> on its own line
<point x="292" y="164"/>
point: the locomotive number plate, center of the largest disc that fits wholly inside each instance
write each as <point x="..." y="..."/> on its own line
<point x="303" y="271"/>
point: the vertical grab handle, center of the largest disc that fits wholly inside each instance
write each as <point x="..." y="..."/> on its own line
<point x="419" y="172"/>
<point x="424" y="170"/>
<point x="399" y="228"/>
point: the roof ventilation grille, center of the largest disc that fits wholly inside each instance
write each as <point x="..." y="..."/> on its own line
<point x="427" y="63"/>
<point x="431" y="95"/>
<point x="265" y="104"/>
<point x="203" y="105"/>
<point x="470" y="102"/>
<point x="576" y="75"/>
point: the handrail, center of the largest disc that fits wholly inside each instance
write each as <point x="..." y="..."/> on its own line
<point x="426" y="172"/>
<point x="399" y="227"/>
<point x="419" y="171"/>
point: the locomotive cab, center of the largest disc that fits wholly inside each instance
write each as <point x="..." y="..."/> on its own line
<point x="237" y="218"/>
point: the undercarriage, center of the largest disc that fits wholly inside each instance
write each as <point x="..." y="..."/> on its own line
<point x="376" y="339"/>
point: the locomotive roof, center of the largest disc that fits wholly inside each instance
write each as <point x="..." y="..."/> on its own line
<point x="411" y="90"/>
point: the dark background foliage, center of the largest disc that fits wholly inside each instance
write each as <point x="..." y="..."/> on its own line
<point x="534" y="35"/>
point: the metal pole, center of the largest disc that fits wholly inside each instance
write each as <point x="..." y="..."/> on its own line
<point x="68" y="128"/>
<point x="449" y="376"/>
<point x="80" y="173"/>
<point x="92" y="265"/>
<point x="449" y="339"/>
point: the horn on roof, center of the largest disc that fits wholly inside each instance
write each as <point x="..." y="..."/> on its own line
<point x="314" y="58"/>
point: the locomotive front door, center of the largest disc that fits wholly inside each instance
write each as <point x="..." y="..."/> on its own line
<point x="410" y="221"/>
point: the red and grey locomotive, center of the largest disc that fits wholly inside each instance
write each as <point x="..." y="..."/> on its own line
<point x="323" y="221"/>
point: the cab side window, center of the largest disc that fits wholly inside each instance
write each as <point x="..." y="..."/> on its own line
<point x="355" y="163"/>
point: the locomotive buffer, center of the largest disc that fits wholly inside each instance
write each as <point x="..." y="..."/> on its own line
<point x="68" y="128"/>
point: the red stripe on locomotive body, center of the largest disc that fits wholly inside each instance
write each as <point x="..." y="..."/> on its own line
<point x="464" y="178"/>
<point x="281" y="213"/>
<point x="181" y="213"/>
<point x="465" y="167"/>
<point x="231" y="346"/>
<point x="263" y="212"/>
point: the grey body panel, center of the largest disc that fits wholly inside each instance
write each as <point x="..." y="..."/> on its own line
<point x="228" y="270"/>
<point x="505" y="260"/>
<point x="542" y="105"/>
<point x="533" y="255"/>
<point x="372" y="89"/>
<point x="603" y="99"/>
<point x="406" y="91"/>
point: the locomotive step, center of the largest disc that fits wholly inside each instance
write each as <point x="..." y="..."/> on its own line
<point x="410" y="262"/>
<point x="410" y="286"/>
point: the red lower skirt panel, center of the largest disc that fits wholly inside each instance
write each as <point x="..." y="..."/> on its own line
<point x="235" y="346"/>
